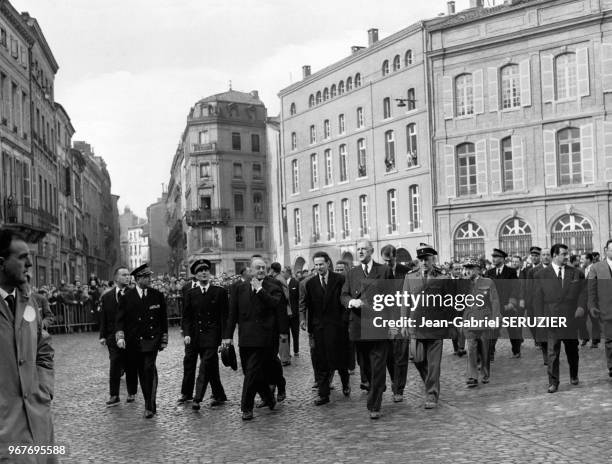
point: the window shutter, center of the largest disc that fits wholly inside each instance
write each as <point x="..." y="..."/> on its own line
<point x="495" y="166"/>
<point x="478" y="88"/>
<point x="606" y="66"/>
<point x="607" y="128"/>
<point x="586" y="153"/>
<point x="548" y="78"/>
<point x="449" y="168"/>
<point x="481" y="166"/>
<point x="582" y="72"/>
<point x="447" y="96"/>
<point x="517" y="163"/>
<point x="525" y="77"/>
<point x="492" y="88"/>
<point x="550" y="159"/>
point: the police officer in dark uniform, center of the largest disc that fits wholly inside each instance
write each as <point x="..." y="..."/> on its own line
<point x="142" y="329"/>
<point x="205" y="312"/>
<point x="190" y="360"/>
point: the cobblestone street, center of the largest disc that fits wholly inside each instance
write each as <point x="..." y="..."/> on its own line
<point x="512" y="419"/>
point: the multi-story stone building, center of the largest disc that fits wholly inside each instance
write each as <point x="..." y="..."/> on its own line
<point x="217" y="194"/>
<point x="522" y="138"/>
<point x="355" y="158"/>
<point x="159" y="251"/>
<point x="138" y="245"/>
<point x="127" y="219"/>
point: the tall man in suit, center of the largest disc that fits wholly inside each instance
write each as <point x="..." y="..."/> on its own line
<point x="190" y="359"/>
<point x="586" y="263"/>
<point x="259" y="309"/>
<point x="600" y="298"/>
<point x="294" y="303"/>
<point x="142" y="330"/>
<point x="118" y="361"/>
<point x="205" y="313"/>
<point x="326" y="323"/>
<point x="560" y="291"/>
<point x="506" y="284"/>
<point x="371" y="354"/>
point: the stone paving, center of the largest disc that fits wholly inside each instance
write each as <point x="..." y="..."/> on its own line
<point x="511" y="420"/>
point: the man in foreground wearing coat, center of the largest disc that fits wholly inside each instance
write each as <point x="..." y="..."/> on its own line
<point x="142" y="329"/>
<point x="26" y="357"/>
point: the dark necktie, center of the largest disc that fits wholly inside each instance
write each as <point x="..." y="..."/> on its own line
<point x="365" y="270"/>
<point x="560" y="277"/>
<point x="10" y="301"/>
<point x="323" y="284"/>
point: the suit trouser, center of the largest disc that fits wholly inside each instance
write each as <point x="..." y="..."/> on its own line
<point x="607" y="329"/>
<point x="294" y="335"/>
<point x="147" y="376"/>
<point x="274" y="368"/>
<point x="400" y="347"/>
<point x="254" y="361"/>
<point x="595" y="328"/>
<point x="190" y="362"/>
<point x="516" y="340"/>
<point x="351" y="354"/>
<point x="118" y="361"/>
<point x="429" y="368"/>
<point x="376" y="352"/>
<point x="325" y="371"/>
<point x="209" y="373"/>
<point x="313" y="357"/>
<point x="571" y="351"/>
<point x="363" y="359"/>
<point x="478" y="346"/>
<point x="459" y="341"/>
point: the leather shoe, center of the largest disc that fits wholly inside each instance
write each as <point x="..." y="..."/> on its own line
<point x="471" y="383"/>
<point x="553" y="388"/>
<point x="375" y="415"/>
<point x="271" y="403"/>
<point x="113" y="401"/>
<point x="431" y="404"/>
<point x="485" y="380"/>
<point x="148" y="414"/>
<point x="516" y="355"/>
<point x="183" y="399"/>
<point x="247" y="415"/>
<point x="346" y="391"/>
<point x="574" y="381"/>
<point x="196" y="405"/>
<point x="365" y="386"/>
<point x="130" y="398"/>
<point x="398" y="398"/>
<point x="321" y="401"/>
<point x="217" y="402"/>
<point x="281" y="396"/>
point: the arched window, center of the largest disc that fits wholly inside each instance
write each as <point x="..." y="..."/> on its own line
<point x="466" y="169"/>
<point x="293" y="140"/>
<point x="363" y="216"/>
<point x="362" y="170"/>
<point x="515" y="237"/>
<point x="340" y="87"/>
<point x="385" y="67"/>
<point x="511" y="86"/>
<point x="565" y="76"/>
<point x="297" y="225"/>
<point x="346" y="218"/>
<point x="464" y="95"/>
<point x="408" y="58"/>
<point x="411" y="144"/>
<point x="311" y="101"/>
<point x="569" y="161"/>
<point x="396" y="63"/>
<point x="574" y="231"/>
<point x="318" y="97"/>
<point x="389" y="150"/>
<point x="357" y="80"/>
<point x="349" y="84"/>
<point x="292" y="109"/>
<point x="325" y="94"/>
<point x="507" y="165"/>
<point x="468" y="241"/>
<point x="333" y="91"/>
<point x="391" y="211"/>
<point x="415" y="208"/>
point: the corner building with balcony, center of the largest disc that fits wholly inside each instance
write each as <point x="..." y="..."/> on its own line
<point x="522" y="138"/>
<point x="217" y="194"/>
<point x="355" y="152"/>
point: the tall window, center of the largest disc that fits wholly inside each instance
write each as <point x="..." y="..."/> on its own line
<point x="326" y="129"/>
<point x="238" y="205"/>
<point x="575" y="231"/>
<point x="507" y="172"/>
<point x="411" y="144"/>
<point x="349" y="84"/>
<point x="385" y="67"/>
<point x="363" y="215"/>
<point x="346" y="218"/>
<point x="415" y="207"/>
<point x="411" y="100"/>
<point x="256" y="171"/>
<point x="331" y="221"/>
<point x="293" y="140"/>
<point x="259" y="241"/>
<point x="386" y="108"/>
<point x="314" y="171"/>
<point x="235" y="140"/>
<point x="389" y="150"/>
<point x="565" y="76"/>
<point x="328" y="167"/>
<point x="325" y="94"/>
<point x="361" y="158"/>
<point x="203" y="137"/>
<point x="333" y="91"/>
<point x="568" y="150"/>
<point x="396" y="63"/>
<point x="341" y="124"/>
<point x="342" y="158"/>
<point x="357" y="80"/>
<point x="466" y="164"/>
<point x="237" y="170"/>
<point x="340" y="87"/>
<point x="515" y="237"/>
<point x="295" y="175"/>
<point x="464" y="95"/>
<point x="292" y="109"/>
<point x="392" y="210"/>
<point x="318" y="100"/>
<point x="468" y="241"/>
<point x="311" y="101"/>
<point x="316" y="223"/>
<point x="313" y="134"/>
<point x="205" y="170"/>
<point x="297" y="225"/>
<point x="360" y="122"/>
<point x="511" y="86"/>
<point x="408" y="58"/>
<point x="255" y="143"/>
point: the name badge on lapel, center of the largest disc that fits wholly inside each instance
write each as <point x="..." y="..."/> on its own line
<point x="29" y="315"/>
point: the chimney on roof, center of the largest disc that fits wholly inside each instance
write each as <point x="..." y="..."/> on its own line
<point x="305" y="71"/>
<point x="356" y="48"/>
<point x="451" y="7"/>
<point x="476" y="3"/>
<point x="254" y="94"/>
<point x="372" y="36"/>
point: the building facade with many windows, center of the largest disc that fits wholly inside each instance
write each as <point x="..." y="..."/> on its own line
<point x="522" y="139"/>
<point x="355" y="158"/>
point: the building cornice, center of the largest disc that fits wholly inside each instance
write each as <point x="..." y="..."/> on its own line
<point x="40" y="38"/>
<point x="16" y="20"/>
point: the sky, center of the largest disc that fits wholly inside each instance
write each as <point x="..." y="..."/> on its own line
<point x="130" y="70"/>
